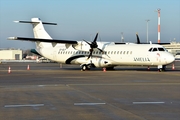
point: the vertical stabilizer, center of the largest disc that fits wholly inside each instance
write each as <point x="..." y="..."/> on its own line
<point x="38" y="29"/>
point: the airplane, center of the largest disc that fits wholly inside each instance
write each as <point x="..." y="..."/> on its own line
<point x="96" y="54"/>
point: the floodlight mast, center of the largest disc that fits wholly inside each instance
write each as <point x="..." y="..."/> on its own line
<point x="147" y="29"/>
<point x="158" y="10"/>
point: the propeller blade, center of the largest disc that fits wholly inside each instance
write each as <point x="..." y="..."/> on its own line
<point x="91" y="50"/>
<point x="93" y="45"/>
<point x="87" y="42"/>
<point x="100" y="49"/>
<point x="95" y="38"/>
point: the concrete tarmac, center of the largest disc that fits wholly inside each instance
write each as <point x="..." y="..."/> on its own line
<point x="50" y="91"/>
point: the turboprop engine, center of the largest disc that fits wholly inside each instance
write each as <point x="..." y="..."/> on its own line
<point x="100" y="62"/>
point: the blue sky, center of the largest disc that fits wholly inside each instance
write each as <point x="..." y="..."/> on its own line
<point x="81" y="19"/>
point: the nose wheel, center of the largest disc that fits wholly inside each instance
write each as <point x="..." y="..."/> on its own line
<point x="161" y="68"/>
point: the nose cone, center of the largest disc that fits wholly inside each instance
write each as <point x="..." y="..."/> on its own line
<point x="170" y="58"/>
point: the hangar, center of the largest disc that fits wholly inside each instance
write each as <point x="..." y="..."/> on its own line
<point x="10" y="54"/>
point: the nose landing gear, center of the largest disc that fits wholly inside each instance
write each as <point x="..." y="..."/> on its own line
<point x="161" y="68"/>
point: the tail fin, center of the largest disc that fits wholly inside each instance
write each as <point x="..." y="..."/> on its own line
<point x="38" y="28"/>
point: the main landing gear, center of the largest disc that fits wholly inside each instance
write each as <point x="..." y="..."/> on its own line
<point x="85" y="67"/>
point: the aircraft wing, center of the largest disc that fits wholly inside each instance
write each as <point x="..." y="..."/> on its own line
<point x="43" y="40"/>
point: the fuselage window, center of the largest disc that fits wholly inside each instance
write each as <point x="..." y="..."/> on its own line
<point x="127" y="52"/>
<point x="131" y="52"/>
<point x="111" y="52"/>
<point x="121" y="52"/>
<point x="117" y="52"/>
<point x="114" y="52"/>
<point x="108" y="52"/>
<point x="124" y="52"/>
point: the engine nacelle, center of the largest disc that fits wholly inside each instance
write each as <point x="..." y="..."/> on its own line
<point x="100" y="62"/>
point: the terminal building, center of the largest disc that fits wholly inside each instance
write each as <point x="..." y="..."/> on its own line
<point x="11" y="54"/>
<point x="173" y="47"/>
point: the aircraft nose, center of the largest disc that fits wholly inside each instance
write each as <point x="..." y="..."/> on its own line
<point x="170" y="58"/>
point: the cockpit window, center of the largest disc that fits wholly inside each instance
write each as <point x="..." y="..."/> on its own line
<point x="150" y="49"/>
<point x="161" y="49"/>
<point x="155" y="49"/>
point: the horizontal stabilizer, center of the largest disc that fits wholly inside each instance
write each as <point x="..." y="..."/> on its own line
<point x="48" y="23"/>
<point x="43" y="40"/>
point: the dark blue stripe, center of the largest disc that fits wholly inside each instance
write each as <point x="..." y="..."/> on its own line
<point x="68" y="61"/>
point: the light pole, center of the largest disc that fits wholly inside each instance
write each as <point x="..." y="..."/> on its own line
<point x="147" y="28"/>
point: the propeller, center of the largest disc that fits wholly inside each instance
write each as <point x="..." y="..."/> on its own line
<point x="93" y="45"/>
<point x="138" y="40"/>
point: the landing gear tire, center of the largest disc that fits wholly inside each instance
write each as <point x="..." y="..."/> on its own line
<point x="162" y="69"/>
<point x="85" y="67"/>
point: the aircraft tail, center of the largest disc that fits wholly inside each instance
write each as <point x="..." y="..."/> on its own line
<point x="38" y="28"/>
<point x="39" y="31"/>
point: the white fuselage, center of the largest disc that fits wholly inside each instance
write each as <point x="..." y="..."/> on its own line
<point x="113" y="55"/>
<point x="77" y="52"/>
